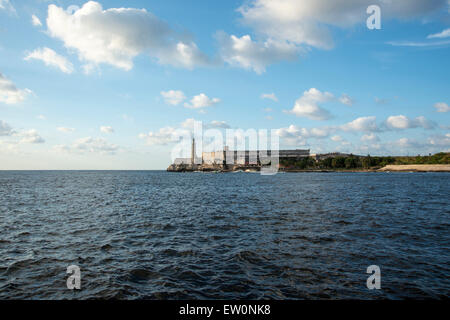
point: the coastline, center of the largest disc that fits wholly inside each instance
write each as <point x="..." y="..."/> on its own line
<point x="417" y="168"/>
<point x="388" y="168"/>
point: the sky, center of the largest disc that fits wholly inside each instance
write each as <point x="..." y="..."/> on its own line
<point x="111" y="84"/>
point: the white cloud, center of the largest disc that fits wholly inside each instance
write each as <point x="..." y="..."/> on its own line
<point x="215" y="124"/>
<point x="293" y="135"/>
<point x="370" y="138"/>
<point x="245" y="53"/>
<point x="35" y="21"/>
<point x="308" y="22"/>
<point x="107" y="129"/>
<point x="218" y="124"/>
<point x="270" y="96"/>
<point x="24" y="136"/>
<point x="65" y="129"/>
<point x="406" y="143"/>
<point x="444" y="34"/>
<point x="442" y="141"/>
<point x="116" y="36"/>
<point x="168" y="135"/>
<point x="6" y="5"/>
<point x="9" y="93"/>
<point x="5" y="129"/>
<point x="162" y="137"/>
<point x="336" y="138"/>
<point x="173" y="97"/>
<point x="201" y="101"/>
<point x="189" y="123"/>
<point x="297" y="25"/>
<point x="308" y="105"/>
<point x="346" y="99"/>
<point x="89" y="145"/>
<point x="402" y="122"/>
<point x="442" y="107"/>
<point x="418" y="44"/>
<point x="317" y="132"/>
<point x="362" y="124"/>
<point x="30" y="136"/>
<point x="51" y="58"/>
<point x="41" y="117"/>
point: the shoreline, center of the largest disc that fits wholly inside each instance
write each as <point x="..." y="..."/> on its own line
<point x="417" y="168"/>
<point x="386" y="169"/>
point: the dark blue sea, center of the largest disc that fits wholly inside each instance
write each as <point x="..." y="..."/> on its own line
<point x="159" y="235"/>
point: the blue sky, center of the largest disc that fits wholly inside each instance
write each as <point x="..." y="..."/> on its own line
<point x="104" y="85"/>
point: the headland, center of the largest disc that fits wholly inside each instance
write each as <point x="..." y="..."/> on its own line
<point x="301" y="160"/>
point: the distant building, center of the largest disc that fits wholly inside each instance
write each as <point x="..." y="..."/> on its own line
<point x="323" y="156"/>
<point x="227" y="159"/>
<point x="258" y="157"/>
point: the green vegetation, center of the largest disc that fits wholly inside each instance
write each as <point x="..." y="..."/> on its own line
<point x="360" y="163"/>
<point x="438" y="158"/>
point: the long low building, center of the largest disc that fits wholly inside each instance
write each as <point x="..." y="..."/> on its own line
<point x="231" y="157"/>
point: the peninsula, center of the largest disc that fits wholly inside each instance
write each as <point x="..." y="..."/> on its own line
<point x="300" y="160"/>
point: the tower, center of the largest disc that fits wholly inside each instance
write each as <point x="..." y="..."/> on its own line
<point x="193" y="152"/>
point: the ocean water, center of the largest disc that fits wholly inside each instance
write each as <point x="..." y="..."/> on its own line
<point x="159" y="235"/>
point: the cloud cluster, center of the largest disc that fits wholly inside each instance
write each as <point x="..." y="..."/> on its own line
<point x="361" y="124"/>
<point x="201" y="101"/>
<point x="116" y="36"/>
<point x="89" y="145"/>
<point x="6" y="5"/>
<point x="441" y="141"/>
<point x="346" y="99"/>
<point x="245" y="53"/>
<point x="51" y="58"/>
<point x="107" y="129"/>
<point x="168" y="135"/>
<point x="294" y="135"/>
<point x="218" y="125"/>
<point x="30" y="136"/>
<point x="162" y="137"/>
<point x="9" y="93"/>
<point x="173" y="97"/>
<point x="176" y="97"/>
<point x="36" y="21"/>
<point x="20" y="136"/>
<point x="304" y="22"/>
<point x="65" y="129"/>
<point x="402" y="122"/>
<point x="5" y="129"/>
<point x="286" y="28"/>
<point x="308" y="105"/>
<point x="442" y="107"/>
<point x="270" y="96"/>
<point x="371" y="137"/>
<point x="443" y="34"/>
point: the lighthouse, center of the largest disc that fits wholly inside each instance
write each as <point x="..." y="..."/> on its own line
<point x="193" y="153"/>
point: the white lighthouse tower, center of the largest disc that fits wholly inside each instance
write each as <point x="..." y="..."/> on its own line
<point x="193" y="153"/>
